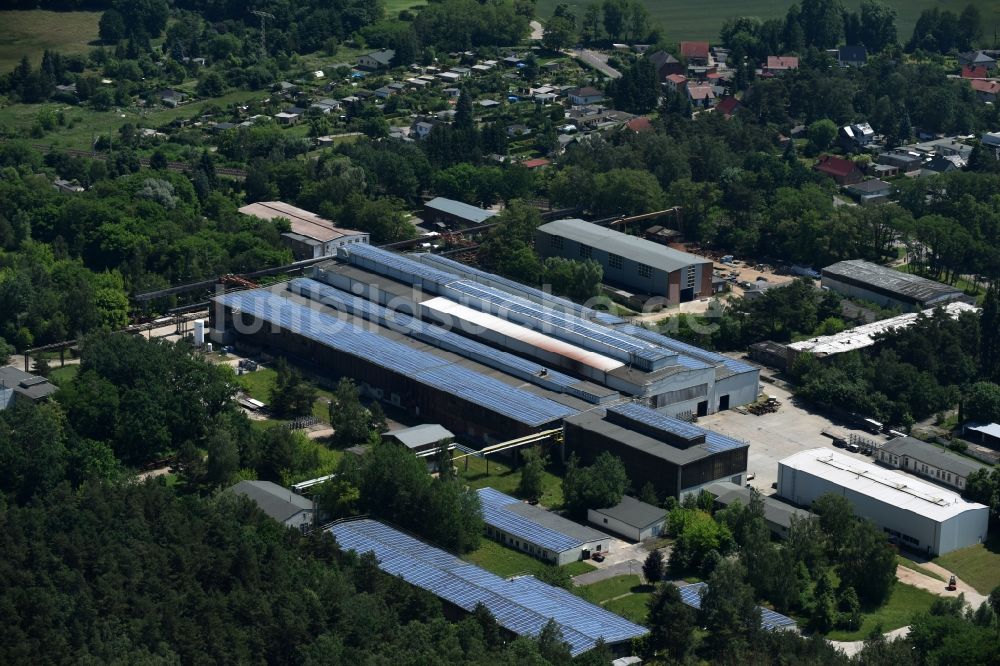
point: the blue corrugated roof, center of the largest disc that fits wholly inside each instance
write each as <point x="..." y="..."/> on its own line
<point x="522" y="605"/>
<point x="443" y="339"/>
<point x="421" y="366"/>
<point x="769" y="619"/>
<point x="714" y="442"/>
<point x="496" y="512"/>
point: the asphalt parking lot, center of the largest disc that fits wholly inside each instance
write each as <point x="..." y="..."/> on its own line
<point x="775" y="436"/>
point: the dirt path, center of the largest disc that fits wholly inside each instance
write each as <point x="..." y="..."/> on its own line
<point x="934" y="586"/>
<point x="536" y="31"/>
<point x="851" y="648"/>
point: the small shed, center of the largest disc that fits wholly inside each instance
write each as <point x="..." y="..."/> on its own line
<point x="421" y="438"/>
<point x="630" y="518"/>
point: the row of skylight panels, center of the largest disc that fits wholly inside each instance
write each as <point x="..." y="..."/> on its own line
<point x="714" y="442"/>
<point x="683" y="348"/>
<point x="546" y="298"/>
<point x="437" y="336"/>
<point x="522" y="605"/>
<point x="421" y="366"/>
<point x="565" y="326"/>
<point x="405" y="269"/>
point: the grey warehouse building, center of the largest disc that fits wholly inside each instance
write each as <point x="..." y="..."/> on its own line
<point x="630" y="262"/>
<point x="777" y="514"/>
<point x="924" y="518"/>
<point x="887" y="287"/>
<point x="923" y="459"/>
<point x="283" y="505"/>
<point x="537" y="532"/>
<point x="630" y="518"/>
<point x="455" y="214"/>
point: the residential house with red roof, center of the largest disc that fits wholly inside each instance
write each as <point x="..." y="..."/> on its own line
<point x="975" y="72"/>
<point x="986" y="90"/>
<point x="695" y="53"/>
<point x="844" y="172"/>
<point x="780" y="64"/>
<point x="701" y="96"/>
<point x="676" y="83"/>
<point x="728" y="106"/>
<point x="639" y="125"/>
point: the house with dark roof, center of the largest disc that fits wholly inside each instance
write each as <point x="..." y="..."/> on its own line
<point x="19" y="386"/>
<point x="171" y="97"/>
<point x="939" y="164"/>
<point x="376" y="60"/>
<point x="279" y="503"/>
<point x="665" y="64"/>
<point x="695" y="53"/>
<point x="976" y="59"/>
<point x="859" y="279"/>
<point x="630" y="518"/>
<point x="858" y="135"/>
<point x="927" y="460"/>
<point x="872" y="191"/>
<point x="780" y="64"/>
<point x="852" y="56"/>
<point x="585" y="95"/>
<point x="844" y="172"/>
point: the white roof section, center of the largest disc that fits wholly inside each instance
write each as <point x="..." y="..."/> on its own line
<point x="988" y="429"/>
<point x="486" y="321"/>
<point x="304" y="223"/>
<point x="864" y="336"/>
<point x="421" y="435"/>
<point x="878" y="483"/>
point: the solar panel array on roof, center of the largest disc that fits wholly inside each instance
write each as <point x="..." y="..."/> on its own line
<point x="714" y="442"/>
<point x="443" y="339"/>
<point x="395" y="266"/>
<point x="522" y="605"/>
<point x="495" y="513"/>
<point x="423" y="367"/>
<point x="769" y="619"/>
<point x="506" y="284"/>
<point x="565" y="326"/>
<point x="714" y="358"/>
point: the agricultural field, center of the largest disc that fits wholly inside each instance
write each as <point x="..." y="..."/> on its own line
<point x="31" y="32"/>
<point x="682" y="19"/>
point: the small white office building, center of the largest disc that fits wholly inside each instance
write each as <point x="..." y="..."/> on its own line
<point x="923" y="517"/>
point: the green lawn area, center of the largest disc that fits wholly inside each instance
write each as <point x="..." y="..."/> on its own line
<point x="506" y="562"/>
<point x="910" y="564"/>
<point x="625" y="595"/>
<point x="31" y="32"/>
<point x="260" y="383"/>
<point x="393" y="7"/>
<point x="633" y="607"/>
<point x="504" y="479"/>
<point x="609" y="588"/>
<point x="685" y="20"/>
<point x="60" y="376"/>
<point x="905" y="601"/>
<point x="979" y="565"/>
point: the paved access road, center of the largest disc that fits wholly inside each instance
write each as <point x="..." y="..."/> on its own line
<point x="597" y="61"/>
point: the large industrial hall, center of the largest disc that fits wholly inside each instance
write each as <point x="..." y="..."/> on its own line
<point x="487" y="358"/>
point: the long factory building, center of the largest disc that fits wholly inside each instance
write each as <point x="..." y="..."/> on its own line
<point x="488" y="358"/>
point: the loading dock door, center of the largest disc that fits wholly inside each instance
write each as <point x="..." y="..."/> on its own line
<point x="703" y="408"/>
<point x="724" y="402"/>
